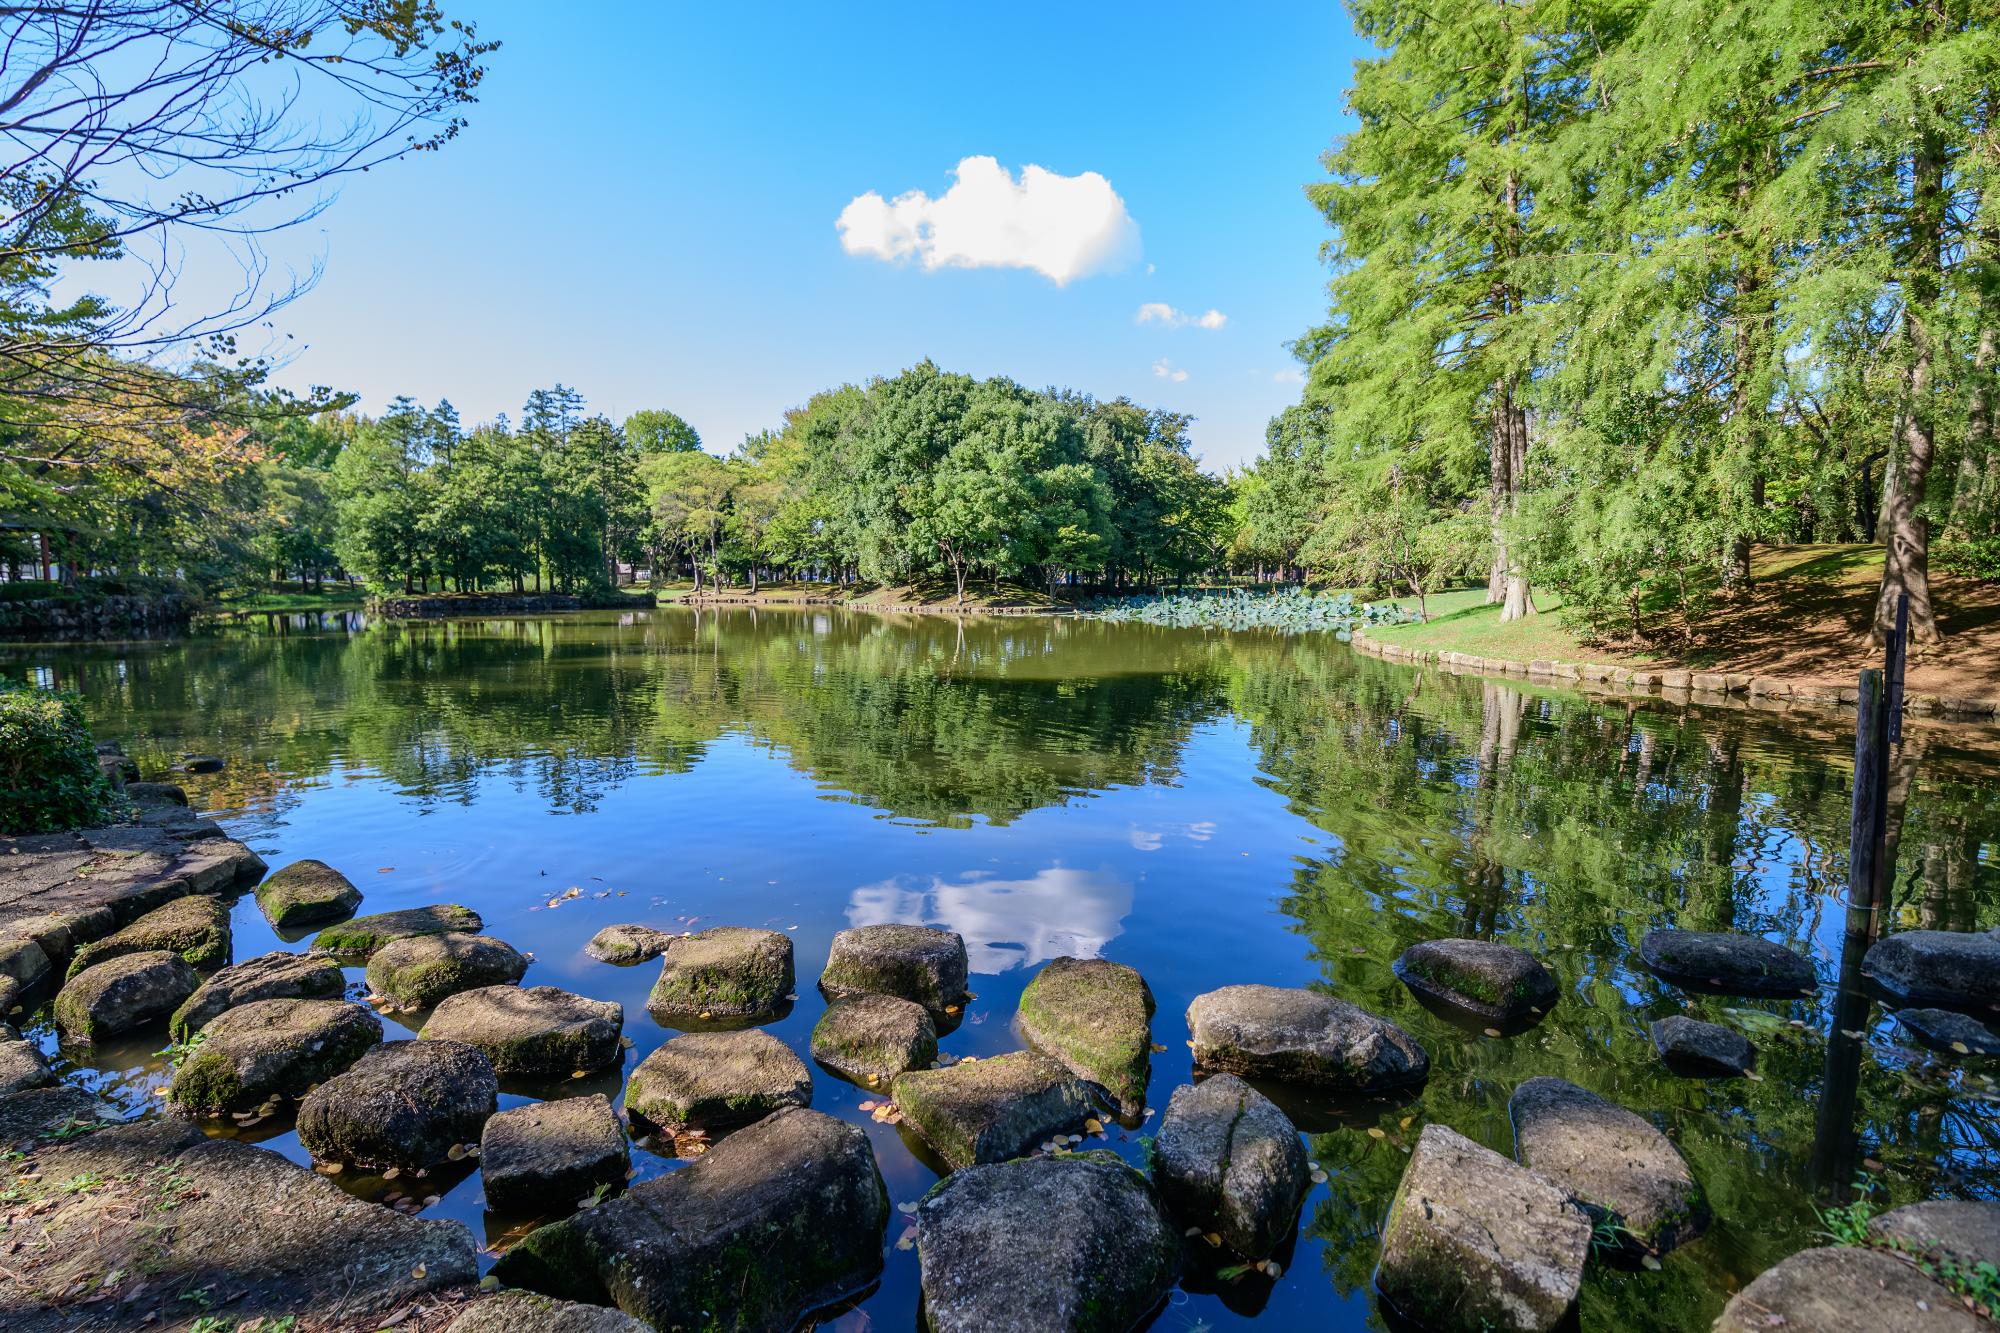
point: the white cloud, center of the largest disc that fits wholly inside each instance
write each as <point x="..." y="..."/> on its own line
<point x="1167" y="370"/>
<point x="1288" y="377"/>
<point x="1159" y="312"/>
<point x="1063" y="227"/>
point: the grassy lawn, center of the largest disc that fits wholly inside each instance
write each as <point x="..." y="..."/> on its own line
<point x="1463" y="622"/>
<point x="279" y="601"/>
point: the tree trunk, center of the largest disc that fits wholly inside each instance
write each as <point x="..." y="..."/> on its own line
<point x="1510" y="444"/>
<point x="1906" y="564"/>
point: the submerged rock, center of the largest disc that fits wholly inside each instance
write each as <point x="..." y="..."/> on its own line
<point x="873" y="1038"/>
<point x="1696" y="1049"/>
<point x="306" y="893"/>
<point x="200" y="763"/>
<point x="1097" y="1018"/>
<point x="1495" y="981"/>
<point x="1475" y="1241"/>
<point x="417" y="971"/>
<point x="1948" y="1032"/>
<point x="1726" y="963"/>
<point x="1075" y="1243"/>
<point x="622" y="946"/>
<point x="1302" y="1036"/>
<point x="536" y="1030"/>
<point x="1938" y="967"/>
<point x="993" y="1109"/>
<point x="775" y="1221"/>
<point x="526" y="1312"/>
<point x="914" y="963"/>
<point x="195" y="927"/>
<point x="704" y="1080"/>
<point x="727" y="972"/>
<point x="1846" y="1289"/>
<point x="1228" y="1160"/>
<point x="270" y="976"/>
<point x="365" y="934"/>
<point x="271" y="1048"/>
<point x="22" y="1067"/>
<point x="122" y="994"/>
<point x="546" y="1156"/>
<point x="403" y="1104"/>
<point x="1613" y="1162"/>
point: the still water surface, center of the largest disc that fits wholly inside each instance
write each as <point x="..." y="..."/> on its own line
<point x="1208" y="808"/>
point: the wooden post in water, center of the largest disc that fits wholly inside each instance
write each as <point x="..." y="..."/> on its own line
<point x="1896" y="656"/>
<point x="1869" y="825"/>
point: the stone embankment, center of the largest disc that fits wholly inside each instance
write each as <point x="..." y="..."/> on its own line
<point x="97" y="616"/>
<point x="419" y="606"/>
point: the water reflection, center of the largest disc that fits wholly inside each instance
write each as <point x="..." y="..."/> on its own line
<point x="1006" y="923"/>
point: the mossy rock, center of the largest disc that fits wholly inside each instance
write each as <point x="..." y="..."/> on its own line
<point x="123" y="994"/>
<point x="195" y="927"/>
<point x="1097" y="1018"/>
<point x="365" y="934"/>
<point x="726" y="972"/>
<point x="991" y="1110"/>
<point x="1612" y="1162"/>
<point x="628" y="945"/>
<point x="418" y="971"/>
<point x="271" y="976"/>
<point x="307" y="893"/>
<point x="271" y="1048"/>
<point x="534" y="1031"/>
<point x="1727" y="963"/>
<point x="915" y="963"/>
<point x="711" y="1080"/>
<point x="403" y="1104"/>
<point x="1495" y="981"/>
<point x="873" y="1038"/>
<point x="526" y="1312"/>
<point x="1293" y="1035"/>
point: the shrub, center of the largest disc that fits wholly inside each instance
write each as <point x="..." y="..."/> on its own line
<point x="49" y="776"/>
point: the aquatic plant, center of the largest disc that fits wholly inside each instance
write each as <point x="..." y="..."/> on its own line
<point x="1292" y="611"/>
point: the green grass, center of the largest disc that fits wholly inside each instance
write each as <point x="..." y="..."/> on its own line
<point x="278" y="601"/>
<point x="1462" y="621"/>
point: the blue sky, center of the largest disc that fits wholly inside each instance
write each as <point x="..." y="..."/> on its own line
<point x="645" y="207"/>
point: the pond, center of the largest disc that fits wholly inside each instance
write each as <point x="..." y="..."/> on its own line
<point x="1209" y="808"/>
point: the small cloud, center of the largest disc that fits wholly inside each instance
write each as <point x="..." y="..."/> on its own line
<point x="1293" y="376"/>
<point x="1062" y="227"/>
<point x="1150" y="270"/>
<point x="1159" y="312"/>
<point x="1167" y="370"/>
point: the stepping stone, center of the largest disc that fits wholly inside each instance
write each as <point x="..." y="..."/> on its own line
<point x="271" y="1048"/>
<point x="911" y="962"/>
<point x="155" y="794"/>
<point x="200" y="763"/>
<point x="1475" y="1241"/>
<point x="1227" y="1159"/>
<point x="1076" y="1243"/>
<point x="779" y="1219"/>
<point x="269" y="1237"/>
<point x="1846" y="1289"/>
<point x="307" y="893"/>
<point x="1963" y="1232"/>
<point x="22" y="1067"/>
<point x="546" y="1156"/>
<point x="270" y="976"/>
<point x="622" y="946"/>
<point x="1302" y="1036"/>
<point x="28" y="1117"/>
<point x="1097" y="1018"/>
<point x="536" y="1031"/>
<point x="1949" y="1033"/>
<point x="365" y="934"/>
<point x="403" y="1104"/>
<point x="709" y="1080"/>
<point x="417" y="971"/>
<point x="993" y="1109"/>
<point x="526" y="1312"/>
<point x="123" y="994"/>
<point x="1494" y="981"/>
<point x="1938" y="967"/>
<point x="873" y="1038"/>
<point x="1695" y="1049"/>
<point x="1615" y="1164"/>
<point x="195" y="927"/>
<point x="727" y="972"/>
<point x="216" y="865"/>
<point x="1726" y="963"/>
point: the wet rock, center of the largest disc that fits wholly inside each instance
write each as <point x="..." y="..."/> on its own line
<point x="123" y="994"/>
<point x="22" y="1067"/>
<point x="1938" y="967"/>
<point x="727" y="972"/>
<point x="776" y="1220"/>
<point x="24" y="961"/>
<point x="1695" y="1049"/>
<point x="417" y="971"/>
<point x="403" y="1104"/>
<point x="270" y="976"/>
<point x="532" y="1031"/>
<point x="1726" y="963"/>
<point x="195" y="927"/>
<point x="622" y="946"/>
<point x="179" y="1212"/>
<point x="1846" y="1289"/>
<point x="526" y="1312"/>
<point x="1495" y="981"/>
<point x="271" y="1048"/>
<point x="219" y="865"/>
<point x="200" y="763"/>
<point x="1614" y="1163"/>
<point x="1097" y="1018"/>
<point x="1949" y="1033"/>
<point x="306" y="893"/>
<point x="154" y="794"/>
<point x="118" y="766"/>
<point x="1228" y="1160"/>
<point x="703" y="1080"/>
<point x="1961" y="1232"/>
<point x="911" y="962"/>
<point x="29" y="1116"/>
<point x="1475" y="1241"/>
<point x="873" y="1038"/>
<point x="365" y="934"/>
<point x="1075" y="1242"/>
<point x="1302" y="1036"/>
<point x="993" y="1109"/>
<point x="545" y="1156"/>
